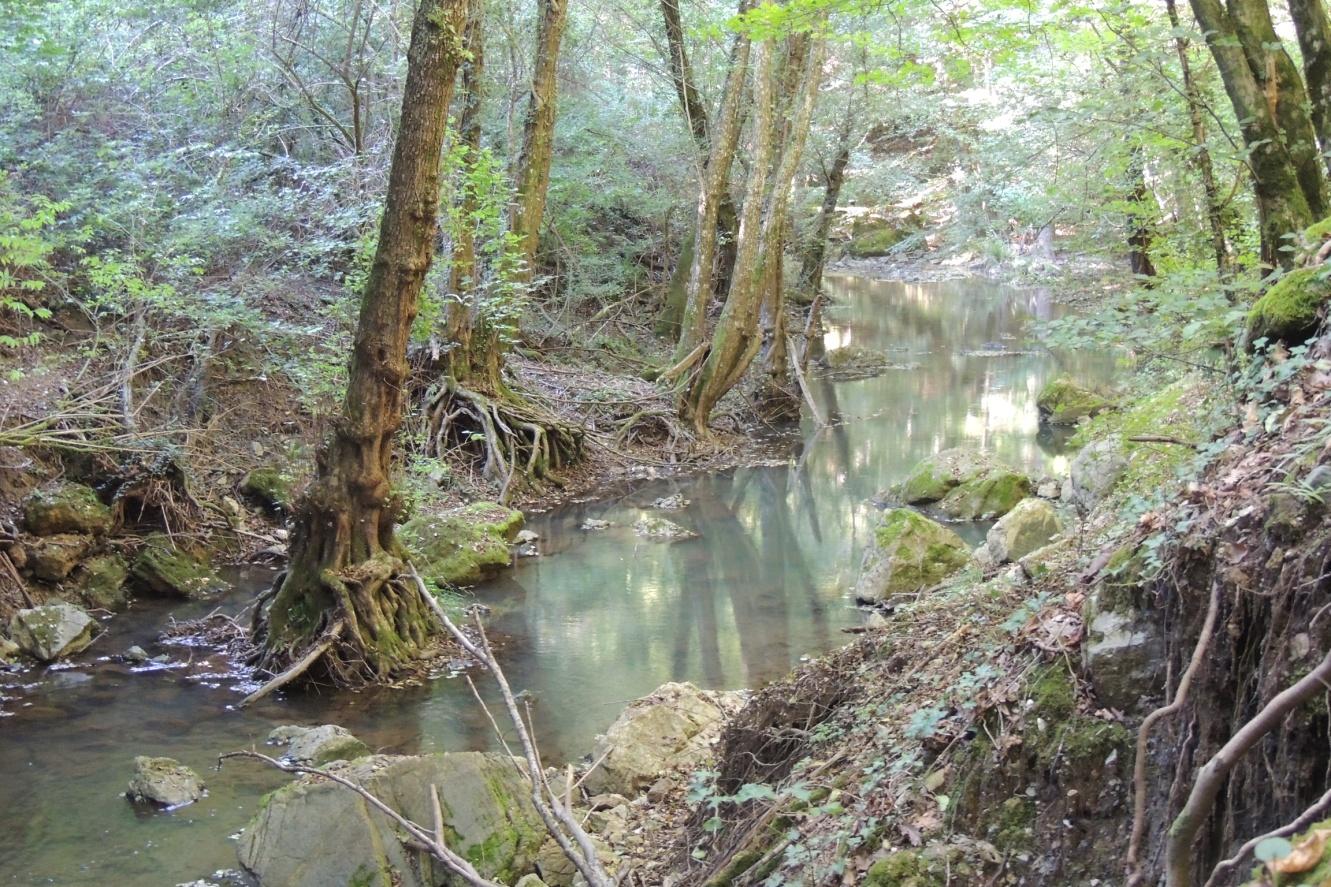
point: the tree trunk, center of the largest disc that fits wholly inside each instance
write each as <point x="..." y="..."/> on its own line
<point x="1201" y="155"/>
<point x="1141" y="215"/>
<point x="1314" y="33"/>
<point x="538" y="135"/>
<point x="815" y="252"/>
<point x="345" y="579"/>
<point x="1282" y="204"/>
<point x="736" y="339"/>
<point x="712" y="192"/>
<point x="473" y="357"/>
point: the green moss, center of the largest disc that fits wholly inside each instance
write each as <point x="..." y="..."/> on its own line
<point x="101" y="581"/>
<point x="1064" y="402"/>
<point x="905" y="868"/>
<point x="69" y="508"/>
<point x="1011" y="824"/>
<point x="270" y="488"/>
<point x="163" y="568"/>
<point x="991" y="495"/>
<point x="877" y="238"/>
<point x="1052" y="693"/>
<point x="920" y="552"/>
<point x="1290" y="310"/>
<point x="462" y="546"/>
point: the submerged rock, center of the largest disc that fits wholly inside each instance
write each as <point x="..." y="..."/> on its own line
<point x="462" y="546"/>
<point x="670" y="729"/>
<point x="1026" y="528"/>
<point x="1064" y="402"/>
<point x="592" y="524"/>
<point x="670" y="503"/>
<point x="934" y="477"/>
<point x="1094" y="472"/>
<point x="909" y="552"/>
<point x="653" y="526"/>
<point x="51" y="632"/>
<point x="54" y="557"/>
<point x="992" y="494"/>
<point x="101" y="581"/>
<point x="164" y="569"/>
<point x="69" y="508"/>
<point x="164" y="782"/>
<point x="313" y="833"/>
<point x="317" y="746"/>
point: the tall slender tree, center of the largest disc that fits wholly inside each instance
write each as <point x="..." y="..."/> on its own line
<point x="538" y="133"/>
<point x="344" y="596"/>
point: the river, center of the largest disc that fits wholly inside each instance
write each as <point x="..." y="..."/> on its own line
<point x="599" y="618"/>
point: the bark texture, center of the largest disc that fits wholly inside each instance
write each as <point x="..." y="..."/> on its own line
<point x="538" y="134"/>
<point x="345" y="580"/>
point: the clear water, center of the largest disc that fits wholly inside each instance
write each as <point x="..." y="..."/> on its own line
<point x="598" y="619"/>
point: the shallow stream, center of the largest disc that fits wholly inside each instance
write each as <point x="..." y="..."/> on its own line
<point x="599" y="618"/>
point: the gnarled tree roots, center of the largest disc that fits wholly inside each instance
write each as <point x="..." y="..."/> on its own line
<point x="510" y="440"/>
<point x="366" y="624"/>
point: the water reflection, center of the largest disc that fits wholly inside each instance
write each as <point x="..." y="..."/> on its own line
<point x="598" y="619"/>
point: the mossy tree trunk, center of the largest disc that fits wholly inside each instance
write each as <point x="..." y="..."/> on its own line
<point x="345" y="582"/>
<point x="1201" y="155"/>
<point x="1314" y="35"/>
<point x="538" y="134"/>
<point x="737" y="338"/>
<point x="713" y="194"/>
<point x="1262" y="85"/>
<point x="695" y="115"/>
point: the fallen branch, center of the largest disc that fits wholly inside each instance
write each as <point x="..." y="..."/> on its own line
<point x="819" y="419"/>
<point x="1161" y="438"/>
<point x="297" y="668"/>
<point x="682" y="367"/>
<point x="1211" y="778"/>
<point x="1135" y="872"/>
<point x="1305" y="819"/>
<point x="430" y="840"/>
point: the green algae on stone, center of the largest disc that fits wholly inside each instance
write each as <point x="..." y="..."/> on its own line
<point x="269" y="488"/>
<point x="990" y="495"/>
<point x="100" y="581"/>
<point x="162" y="568"/>
<point x="69" y="508"/>
<point x="910" y="552"/>
<point x="875" y="238"/>
<point x="462" y="546"/>
<point x="935" y="476"/>
<point x="1291" y="310"/>
<point x="1064" y="402"/>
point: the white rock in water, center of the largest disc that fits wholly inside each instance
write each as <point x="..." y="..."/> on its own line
<point x="164" y="782"/>
<point x="318" y="745"/>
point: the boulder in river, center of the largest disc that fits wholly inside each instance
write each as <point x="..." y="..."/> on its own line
<point x="54" y="557"/>
<point x="164" y="782"/>
<point x="990" y="495"/>
<point x="68" y="508"/>
<point x="165" y="569"/>
<point x="909" y="552"/>
<point x="934" y="477"/>
<point x="462" y="546"/>
<point x="52" y="631"/>
<point x="312" y="833"/>
<point x="1064" y="402"/>
<point x="317" y="746"/>
<point x="1026" y="528"/>
<point x="668" y="730"/>
<point x="1094" y="472"/>
<point x="653" y="526"/>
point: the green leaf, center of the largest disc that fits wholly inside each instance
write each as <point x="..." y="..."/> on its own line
<point x="1272" y="849"/>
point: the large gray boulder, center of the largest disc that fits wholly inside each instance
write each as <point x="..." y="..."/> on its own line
<point x="1094" y="472"/>
<point x="670" y="729"/>
<point x="1123" y="649"/>
<point x="317" y="746"/>
<point x="909" y="552"/>
<point x="163" y="782"/>
<point x="313" y="832"/>
<point x="52" y="631"/>
<point x="1026" y="528"/>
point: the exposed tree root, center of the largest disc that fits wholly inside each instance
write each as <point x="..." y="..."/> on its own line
<point x="298" y="668"/>
<point x="510" y="440"/>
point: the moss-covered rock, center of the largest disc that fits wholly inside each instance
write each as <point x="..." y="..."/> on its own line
<point x="992" y="494"/>
<point x="269" y="488"/>
<point x="905" y="868"/>
<point x="1027" y="527"/>
<point x="53" y="558"/>
<point x="1064" y="402"/>
<point x="312" y="832"/>
<point x="1292" y="309"/>
<point x="934" y="477"/>
<point x="1095" y="471"/>
<point x="52" y="632"/>
<point x="100" y="581"/>
<point x="162" y="568"/>
<point x="909" y="552"/>
<point x="462" y="546"/>
<point x="163" y="782"/>
<point x="317" y="746"/>
<point x="874" y="238"/>
<point x="68" y="508"/>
